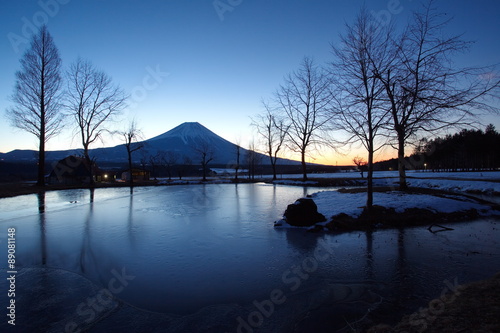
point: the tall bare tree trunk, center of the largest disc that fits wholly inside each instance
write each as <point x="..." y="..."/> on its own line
<point x="41" y="149"/>
<point x="129" y="154"/>
<point x="403" y="186"/>
<point x="273" y="164"/>
<point x="304" y="167"/>
<point x="89" y="163"/>
<point x="369" y="177"/>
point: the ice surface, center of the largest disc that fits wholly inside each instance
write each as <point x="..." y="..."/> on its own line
<point x="202" y="255"/>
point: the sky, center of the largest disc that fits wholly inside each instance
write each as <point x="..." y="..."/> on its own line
<point x="207" y="61"/>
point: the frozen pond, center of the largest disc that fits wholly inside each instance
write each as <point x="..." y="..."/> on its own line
<point x="198" y="247"/>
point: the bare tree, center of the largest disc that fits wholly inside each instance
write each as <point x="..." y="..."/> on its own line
<point x="274" y="132"/>
<point x="360" y="164"/>
<point x="425" y="90"/>
<point x="154" y="162"/>
<point x="358" y="108"/>
<point x="238" y="158"/>
<point x="131" y="136"/>
<point x="144" y="158"/>
<point x="253" y="159"/>
<point x="37" y="94"/>
<point x="93" y="100"/>
<point x="185" y="167"/>
<point x="168" y="159"/>
<point x="206" y="154"/>
<point x="305" y="99"/>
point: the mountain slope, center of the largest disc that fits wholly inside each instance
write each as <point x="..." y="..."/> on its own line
<point x="185" y="141"/>
<point x="188" y="139"/>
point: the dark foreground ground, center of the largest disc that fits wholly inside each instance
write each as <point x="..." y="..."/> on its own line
<point x="474" y="307"/>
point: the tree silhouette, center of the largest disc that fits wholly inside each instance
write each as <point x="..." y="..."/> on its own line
<point x="359" y="108"/>
<point x="273" y="131"/>
<point x="360" y="164"/>
<point x="467" y="150"/>
<point x="304" y="100"/>
<point x="425" y="90"/>
<point x="92" y="100"/>
<point x="131" y="136"/>
<point x="206" y="154"/>
<point x="37" y="94"/>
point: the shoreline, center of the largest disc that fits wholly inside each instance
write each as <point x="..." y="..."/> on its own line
<point x="8" y="190"/>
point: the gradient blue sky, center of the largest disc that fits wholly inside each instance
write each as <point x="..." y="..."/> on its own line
<point x="219" y="70"/>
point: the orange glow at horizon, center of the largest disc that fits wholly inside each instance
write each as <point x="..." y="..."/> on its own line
<point x="334" y="158"/>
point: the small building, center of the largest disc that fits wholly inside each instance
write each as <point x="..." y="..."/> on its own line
<point x="74" y="170"/>
<point x="137" y="175"/>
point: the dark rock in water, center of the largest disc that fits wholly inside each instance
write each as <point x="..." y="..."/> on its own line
<point x="303" y="213"/>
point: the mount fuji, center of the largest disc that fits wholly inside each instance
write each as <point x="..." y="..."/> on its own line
<point x="185" y="139"/>
<point x="182" y="140"/>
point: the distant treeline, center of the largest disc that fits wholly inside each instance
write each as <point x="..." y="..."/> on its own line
<point x="11" y="172"/>
<point x="467" y="150"/>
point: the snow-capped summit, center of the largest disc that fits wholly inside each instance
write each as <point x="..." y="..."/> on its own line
<point x="188" y="132"/>
<point x="188" y="138"/>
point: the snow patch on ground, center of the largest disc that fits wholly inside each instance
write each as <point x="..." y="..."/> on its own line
<point x="331" y="203"/>
<point x="485" y="175"/>
<point x="294" y="182"/>
<point x="190" y="182"/>
<point x="486" y="185"/>
<point x="477" y="175"/>
<point x="456" y="185"/>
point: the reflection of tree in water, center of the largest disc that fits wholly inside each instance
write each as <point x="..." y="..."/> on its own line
<point x="329" y="304"/>
<point x="304" y="242"/>
<point x="402" y="276"/>
<point x="41" y="216"/>
<point x="369" y="256"/>
<point x="94" y="262"/>
<point x="401" y="286"/>
<point x="238" y="204"/>
<point x="130" y="217"/>
<point x="86" y="249"/>
<point x="72" y="196"/>
<point x="203" y="198"/>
